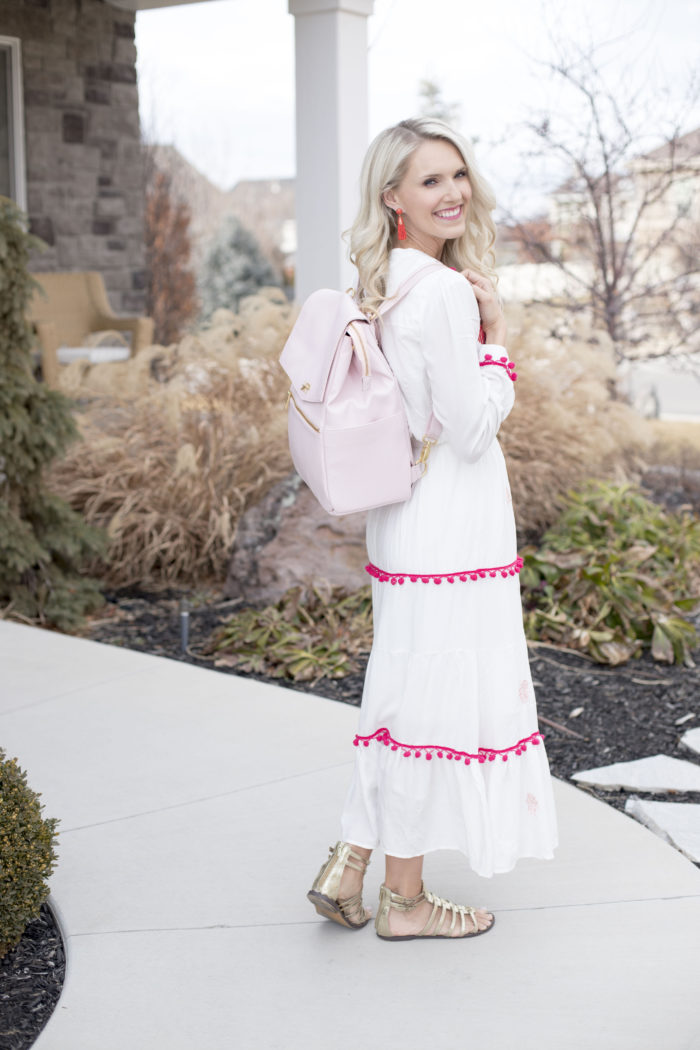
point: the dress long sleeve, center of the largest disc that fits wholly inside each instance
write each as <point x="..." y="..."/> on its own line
<point x="470" y="401"/>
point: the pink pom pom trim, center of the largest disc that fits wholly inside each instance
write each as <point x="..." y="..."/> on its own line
<point x="512" y="569"/>
<point x="430" y="751"/>
<point x="502" y="362"/>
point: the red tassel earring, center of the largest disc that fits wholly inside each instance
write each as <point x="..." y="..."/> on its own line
<point x="401" y="229"/>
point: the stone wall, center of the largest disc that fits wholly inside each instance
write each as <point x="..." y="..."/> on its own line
<point x="85" y="192"/>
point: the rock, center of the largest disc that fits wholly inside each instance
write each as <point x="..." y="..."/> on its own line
<point x="676" y="822"/>
<point x="657" y="773"/>
<point x="691" y="740"/>
<point x="287" y="539"/>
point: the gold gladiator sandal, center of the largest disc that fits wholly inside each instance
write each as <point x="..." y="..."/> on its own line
<point x="436" y="926"/>
<point x="324" y="892"/>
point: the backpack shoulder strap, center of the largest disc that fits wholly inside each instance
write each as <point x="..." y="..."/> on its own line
<point x="434" y="426"/>
<point x="409" y="283"/>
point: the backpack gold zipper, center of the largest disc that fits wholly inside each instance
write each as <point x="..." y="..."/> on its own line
<point x="290" y="397"/>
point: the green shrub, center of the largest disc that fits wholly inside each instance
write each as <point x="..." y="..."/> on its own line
<point x="43" y="543"/>
<point x="310" y="633"/>
<point x="27" y="855"/>
<point x="615" y="575"/>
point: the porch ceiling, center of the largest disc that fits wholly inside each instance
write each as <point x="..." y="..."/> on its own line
<point x="146" y="5"/>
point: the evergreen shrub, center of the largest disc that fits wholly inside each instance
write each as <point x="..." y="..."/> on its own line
<point x="233" y="268"/>
<point x="27" y="854"/>
<point x="43" y="542"/>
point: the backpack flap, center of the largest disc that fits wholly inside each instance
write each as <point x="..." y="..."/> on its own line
<point x="309" y="352"/>
<point x="348" y="432"/>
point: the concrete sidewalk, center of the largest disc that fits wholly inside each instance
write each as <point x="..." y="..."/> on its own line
<point x="197" y="807"/>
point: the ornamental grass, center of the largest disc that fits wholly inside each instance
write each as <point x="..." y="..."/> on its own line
<point x="567" y="424"/>
<point x="177" y="442"/>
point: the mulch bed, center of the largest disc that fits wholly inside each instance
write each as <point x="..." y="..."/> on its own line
<point x="31" y="978"/>
<point x="590" y="715"/>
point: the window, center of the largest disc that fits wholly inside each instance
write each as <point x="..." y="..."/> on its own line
<point x="12" y="172"/>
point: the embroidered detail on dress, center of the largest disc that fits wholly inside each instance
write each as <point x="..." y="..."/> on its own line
<point x="430" y="751"/>
<point x="532" y="804"/>
<point x="502" y="362"/>
<point x="511" y="569"/>
<point x="524" y="691"/>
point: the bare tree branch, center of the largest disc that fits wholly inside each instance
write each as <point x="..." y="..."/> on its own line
<point x="621" y="234"/>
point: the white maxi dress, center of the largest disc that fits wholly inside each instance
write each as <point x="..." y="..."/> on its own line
<point x="449" y="755"/>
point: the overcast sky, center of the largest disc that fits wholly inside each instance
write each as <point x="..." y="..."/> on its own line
<point x="216" y="79"/>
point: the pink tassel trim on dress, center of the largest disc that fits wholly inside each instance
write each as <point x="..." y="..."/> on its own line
<point x="484" y="754"/>
<point x="511" y="569"/>
<point x="503" y="362"/>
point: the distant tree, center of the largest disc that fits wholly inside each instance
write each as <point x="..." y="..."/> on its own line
<point x="171" y="296"/>
<point x="432" y="104"/>
<point x="622" y="231"/>
<point x="44" y="545"/>
<point x="233" y="268"/>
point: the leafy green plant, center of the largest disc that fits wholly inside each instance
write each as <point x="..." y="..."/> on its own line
<point x="43" y="543"/>
<point x="615" y="575"/>
<point x="27" y="855"/>
<point x="310" y="633"/>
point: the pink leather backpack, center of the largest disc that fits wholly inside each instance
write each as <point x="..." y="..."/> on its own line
<point x="348" y="432"/>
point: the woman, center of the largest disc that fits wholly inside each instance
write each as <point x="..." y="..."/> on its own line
<point x="448" y="751"/>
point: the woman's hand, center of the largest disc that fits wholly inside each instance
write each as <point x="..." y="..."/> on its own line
<point x="489" y="307"/>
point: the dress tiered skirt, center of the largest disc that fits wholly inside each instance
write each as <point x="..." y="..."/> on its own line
<point x="448" y="749"/>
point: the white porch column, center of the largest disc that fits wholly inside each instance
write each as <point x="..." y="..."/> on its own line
<point x="332" y="129"/>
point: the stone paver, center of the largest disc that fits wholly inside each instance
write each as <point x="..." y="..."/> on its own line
<point x="677" y="822"/>
<point x="691" y="740"/>
<point x="658" y="773"/>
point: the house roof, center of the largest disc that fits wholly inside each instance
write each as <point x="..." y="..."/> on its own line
<point x="574" y="183"/>
<point x="684" y="147"/>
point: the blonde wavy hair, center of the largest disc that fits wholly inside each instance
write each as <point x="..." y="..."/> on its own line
<point x="373" y="233"/>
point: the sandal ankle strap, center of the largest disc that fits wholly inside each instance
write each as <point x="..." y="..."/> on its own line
<point x="406" y="903"/>
<point x="361" y="865"/>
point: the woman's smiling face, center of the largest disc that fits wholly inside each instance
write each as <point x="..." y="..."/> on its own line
<point x="434" y="195"/>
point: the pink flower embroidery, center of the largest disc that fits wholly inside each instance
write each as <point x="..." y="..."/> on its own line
<point x="532" y="804"/>
<point x="524" y="691"/>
